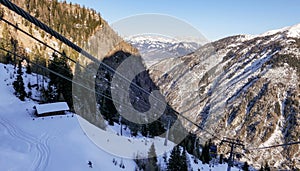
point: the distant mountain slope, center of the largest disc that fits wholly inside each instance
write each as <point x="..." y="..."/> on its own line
<point x="154" y="48"/>
<point x="244" y="87"/>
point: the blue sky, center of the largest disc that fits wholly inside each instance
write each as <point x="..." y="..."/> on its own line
<point x="215" y="19"/>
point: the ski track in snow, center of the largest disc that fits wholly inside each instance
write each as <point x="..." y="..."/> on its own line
<point x="43" y="151"/>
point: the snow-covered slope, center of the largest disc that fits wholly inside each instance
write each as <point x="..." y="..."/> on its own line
<point x="154" y="48"/>
<point x="59" y="142"/>
<point x="291" y="31"/>
<point x="244" y="87"/>
<point x="50" y="143"/>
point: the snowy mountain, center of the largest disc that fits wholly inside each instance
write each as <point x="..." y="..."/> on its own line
<point x="154" y="48"/>
<point x="59" y="142"/>
<point x="232" y="87"/>
<point x="244" y="87"/>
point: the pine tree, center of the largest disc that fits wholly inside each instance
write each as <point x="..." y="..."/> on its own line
<point x="20" y="72"/>
<point x="30" y="29"/>
<point x="152" y="159"/>
<point x="178" y="160"/>
<point x="245" y="167"/>
<point x="8" y="58"/>
<point x="173" y="163"/>
<point x="221" y="158"/>
<point x="196" y="151"/>
<point x="14" y="44"/>
<point x="267" y="167"/>
<point x="205" y="157"/>
<point x="107" y="108"/>
<point x="6" y="36"/>
<point x="28" y="69"/>
<point x="64" y="87"/>
<point x="18" y="84"/>
<point x="183" y="161"/>
<point x="165" y="157"/>
<point x="51" y="93"/>
<point x="155" y="128"/>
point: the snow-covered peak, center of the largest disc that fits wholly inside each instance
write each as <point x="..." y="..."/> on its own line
<point x="152" y="38"/>
<point x="154" y="48"/>
<point x="294" y="31"/>
<point x="291" y="31"/>
<point x="271" y="32"/>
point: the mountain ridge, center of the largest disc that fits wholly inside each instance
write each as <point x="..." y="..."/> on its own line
<point x="154" y="48"/>
<point x="240" y="87"/>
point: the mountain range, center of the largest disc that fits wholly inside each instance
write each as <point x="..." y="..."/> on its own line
<point x="154" y="48"/>
<point x="242" y="87"/>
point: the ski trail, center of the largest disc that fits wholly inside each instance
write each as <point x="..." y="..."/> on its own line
<point x="41" y="159"/>
<point x="43" y="147"/>
<point x="13" y="133"/>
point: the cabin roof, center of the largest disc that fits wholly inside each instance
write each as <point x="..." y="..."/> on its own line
<point x="51" y="107"/>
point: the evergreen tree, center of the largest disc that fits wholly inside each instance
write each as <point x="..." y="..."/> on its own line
<point x="245" y="167"/>
<point x="30" y="29"/>
<point x="155" y="128"/>
<point x="6" y="37"/>
<point x="173" y="163"/>
<point x="28" y="69"/>
<point x="165" y="157"/>
<point x="19" y="88"/>
<point x="108" y="109"/>
<point x="267" y="167"/>
<point x="50" y="93"/>
<point x="20" y="72"/>
<point x="205" y="157"/>
<point x="144" y="130"/>
<point x="64" y="87"/>
<point x="18" y="84"/>
<point x="178" y="160"/>
<point x="152" y="159"/>
<point x="8" y="58"/>
<point x="183" y="161"/>
<point x="14" y="44"/>
<point x="221" y="158"/>
<point x="196" y="151"/>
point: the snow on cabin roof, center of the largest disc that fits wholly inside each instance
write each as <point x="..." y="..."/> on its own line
<point x="52" y="107"/>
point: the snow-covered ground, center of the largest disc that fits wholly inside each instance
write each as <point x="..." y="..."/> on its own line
<point x="51" y="143"/>
<point x="58" y="142"/>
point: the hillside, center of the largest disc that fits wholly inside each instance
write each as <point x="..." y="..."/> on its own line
<point x="79" y="24"/>
<point x="59" y="142"/>
<point x="244" y="87"/>
<point x="47" y="140"/>
<point x="83" y="26"/>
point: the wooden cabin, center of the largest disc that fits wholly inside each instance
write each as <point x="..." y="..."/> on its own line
<point x="50" y="109"/>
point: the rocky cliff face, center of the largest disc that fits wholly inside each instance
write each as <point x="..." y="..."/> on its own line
<point x="244" y="87"/>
